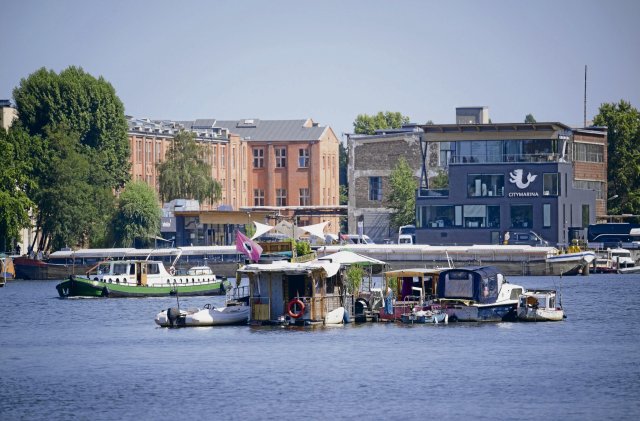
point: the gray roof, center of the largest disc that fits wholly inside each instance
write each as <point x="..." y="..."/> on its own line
<point x="270" y="130"/>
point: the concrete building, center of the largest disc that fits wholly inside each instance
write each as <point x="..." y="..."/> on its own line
<point x="8" y="113"/>
<point x="516" y="178"/>
<point x="371" y="162"/>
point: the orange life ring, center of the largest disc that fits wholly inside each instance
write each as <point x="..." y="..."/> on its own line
<point x="299" y="303"/>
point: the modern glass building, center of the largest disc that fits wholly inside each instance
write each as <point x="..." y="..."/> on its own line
<point x="529" y="180"/>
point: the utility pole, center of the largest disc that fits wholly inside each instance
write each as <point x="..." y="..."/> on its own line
<point x="585" y="96"/>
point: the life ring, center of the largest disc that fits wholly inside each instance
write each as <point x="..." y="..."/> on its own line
<point x="300" y="304"/>
<point x="172" y="271"/>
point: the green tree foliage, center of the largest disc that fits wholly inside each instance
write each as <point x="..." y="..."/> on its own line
<point x="184" y="175"/>
<point x="138" y="215"/>
<point x="355" y="274"/>
<point x="623" y="123"/>
<point x="343" y="164"/>
<point x="402" y="194"/>
<point x="529" y="118"/>
<point x="440" y="180"/>
<point x="85" y="106"/>
<point x="14" y="183"/>
<point x="368" y="124"/>
<point x="71" y="208"/>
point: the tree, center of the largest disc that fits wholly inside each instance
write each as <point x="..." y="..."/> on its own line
<point x="354" y="274"/>
<point x="184" y="175"/>
<point x="14" y="183"/>
<point x="366" y="124"/>
<point x="138" y="215"/>
<point x="623" y="134"/>
<point x="78" y="150"/>
<point x="402" y="194"/>
<point x="71" y="208"/>
<point x="85" y="106"/>
<point x="529" y="118"/>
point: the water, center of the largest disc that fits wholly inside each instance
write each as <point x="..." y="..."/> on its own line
<point x="105" y="359"/>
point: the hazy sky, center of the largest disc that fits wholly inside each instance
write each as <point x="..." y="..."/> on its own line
<point x="332" y="60"/>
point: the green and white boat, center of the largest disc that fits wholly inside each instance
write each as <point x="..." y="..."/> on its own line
<point x="142" y="278"/>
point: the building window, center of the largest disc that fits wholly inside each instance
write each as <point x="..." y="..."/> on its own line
<point x="550" y="185"/>
<point x="483" y="185"/>
<point x="375" y="189"/>
<point x="139" y="150"/>
<point x="305" y="199"/>
<point x="281" y="157"/>
<point x="158" y="151"/>
<point x="258" y="197"/>
<point x="149" y="151"/>
<point x="546" y="215"/>
<point x="214" y="156"/>
<point x="588" y="152"/>
<point x="521" y="216"/>
<point x="598" y="186"/>
<point x="437" y="216"/>
<point x="481" y="216"/>
<point x="258" y="157"/>
<point x="281" y="197"/>
<point x="303" y="158"/>
<point x="223" y="158"/>
<point x="585" y="216"/>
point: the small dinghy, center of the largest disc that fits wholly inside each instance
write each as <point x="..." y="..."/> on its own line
<point x="207" y="316"/>
<point x="425" y="316"/>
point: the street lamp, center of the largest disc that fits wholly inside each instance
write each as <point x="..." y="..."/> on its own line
<point x="615" y="196"/>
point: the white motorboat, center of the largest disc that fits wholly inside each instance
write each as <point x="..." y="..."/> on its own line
<point x="542" y="305"/>
<point x="334" y="317"/>
<point x="425" y="316"/>
<point x="207" y="316"/>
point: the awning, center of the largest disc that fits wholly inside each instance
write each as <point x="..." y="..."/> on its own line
<point x="317" y="229"/>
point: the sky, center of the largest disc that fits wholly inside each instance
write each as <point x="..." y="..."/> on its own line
<point x="332" y="60"/>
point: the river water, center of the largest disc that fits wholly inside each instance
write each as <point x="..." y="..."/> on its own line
<point x="105" y="359"/>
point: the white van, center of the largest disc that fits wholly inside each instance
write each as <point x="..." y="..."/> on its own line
<point x="357" y="239"/>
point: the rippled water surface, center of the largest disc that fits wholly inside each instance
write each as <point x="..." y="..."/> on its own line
<point x="106" y="359"/>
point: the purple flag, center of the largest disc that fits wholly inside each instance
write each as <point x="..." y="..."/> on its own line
<point x="250" y="248"/>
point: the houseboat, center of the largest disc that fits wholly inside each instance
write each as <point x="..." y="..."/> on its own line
<point x="295" y="293"/>
<point x="477" y="294"/>
<point x="142" y="278"/>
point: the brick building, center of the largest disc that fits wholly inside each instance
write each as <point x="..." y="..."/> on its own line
<point x="261" y="164"/>
<point x="371" y="162"/>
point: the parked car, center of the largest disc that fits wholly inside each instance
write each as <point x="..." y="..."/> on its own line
<point x="527" y="238"/>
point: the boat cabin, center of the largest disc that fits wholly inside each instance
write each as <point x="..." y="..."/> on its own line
<point x="411" y="288"/>
<point x="296" y="293"/>
<point x="480" y="284"/>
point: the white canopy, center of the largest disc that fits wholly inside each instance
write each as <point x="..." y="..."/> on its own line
<point x="317" y="229"/>
<point x="261" y="229"/>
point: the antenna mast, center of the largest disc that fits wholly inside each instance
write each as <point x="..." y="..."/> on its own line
<point x="585" y="96"/>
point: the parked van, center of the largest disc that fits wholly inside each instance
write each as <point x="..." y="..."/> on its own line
<point x="356" y="239"/>
<point x="407" y="234"/>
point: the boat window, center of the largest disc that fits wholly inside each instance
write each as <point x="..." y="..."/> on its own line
<point x="120" y="268"/>
<point x="515" y="293"/>
<point x="153" y="269"/>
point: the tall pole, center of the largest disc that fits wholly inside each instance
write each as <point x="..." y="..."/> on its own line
<point x="585" y="96"/>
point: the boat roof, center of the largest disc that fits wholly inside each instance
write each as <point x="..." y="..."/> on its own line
<point x="284" y="266"/>
<point x="346" y="257"/>
<point x="412" y="272"/>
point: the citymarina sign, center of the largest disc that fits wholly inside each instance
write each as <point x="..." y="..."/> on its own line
<point x="517" y="178"/>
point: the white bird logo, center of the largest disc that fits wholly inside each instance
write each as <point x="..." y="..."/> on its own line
<point x="516" y="178"/>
